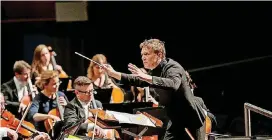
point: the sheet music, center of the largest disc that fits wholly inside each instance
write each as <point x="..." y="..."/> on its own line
<point x="139" y="119"/>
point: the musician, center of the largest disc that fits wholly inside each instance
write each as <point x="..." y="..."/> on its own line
<point x="201" y="103"/>
<point x="17" y="87"/>
<point x="45" y="101"/>
<point x="167" y="78"/>
<point x="79" y="107"/>
<point x="11" y="134"/>
<point x="42" y="62"/>
<point x="4" y="131"/>
<point x="98" y="76"/>
<point x="138" y="93"/>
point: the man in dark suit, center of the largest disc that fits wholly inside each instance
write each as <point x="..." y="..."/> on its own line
<point x="17" y="87"/>
<point x="167" y="78"/>
<point x="79" y="107"/>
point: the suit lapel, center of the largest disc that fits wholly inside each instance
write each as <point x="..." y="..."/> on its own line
<point x="80" y="108"/>
<point x="13" y="90"/>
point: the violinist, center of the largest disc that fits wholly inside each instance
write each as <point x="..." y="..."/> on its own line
<point x="42" y="62"/>
<point x="4" y="131"/>
<point x="10" y="133"/>
<point x="138" y="93"/>
<point x="100" y="79"/>
<point x="17" y="87"/>
<point x="46" y="100"/>
<point x="79" y="107"/>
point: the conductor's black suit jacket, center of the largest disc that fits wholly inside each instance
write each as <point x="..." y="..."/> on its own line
<point x="169" y="82"/>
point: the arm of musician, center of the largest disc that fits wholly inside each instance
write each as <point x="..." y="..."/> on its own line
<point x="41" y="117"/>
<point x="7" y="92"/>
<point x="71" y="117"/>
<point x="6" y="132"/>
<point x="171" y="81"/>
<point x="132" y="80"/>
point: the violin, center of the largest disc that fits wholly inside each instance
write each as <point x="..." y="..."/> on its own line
<point x="111" y="133"/>
<point x="49" y="123"/>
<point x="8" y="120"/>
<point x="26" y="100"/>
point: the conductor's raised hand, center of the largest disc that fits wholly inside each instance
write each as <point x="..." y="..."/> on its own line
<point x="139" y="73"/>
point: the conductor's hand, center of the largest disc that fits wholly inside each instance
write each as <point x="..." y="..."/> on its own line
<point x="109" y="69"/>
<point x="139" y="73"/>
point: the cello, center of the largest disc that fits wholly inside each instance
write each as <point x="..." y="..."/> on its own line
<point x="62" y="73"/>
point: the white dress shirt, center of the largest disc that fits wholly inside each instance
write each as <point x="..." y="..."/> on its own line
<point x="3" y="132"/>
<point x="21" y="88"/>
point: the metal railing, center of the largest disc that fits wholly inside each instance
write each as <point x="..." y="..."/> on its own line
<point x="249" y="107"/>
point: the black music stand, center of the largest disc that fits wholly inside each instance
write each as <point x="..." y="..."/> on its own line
<point x="157" y="112"/>
<point x="71" y="130"/>
<point x="64" y="84"/>
<point x="137" y="129"/>
<point x="103" y="95"/>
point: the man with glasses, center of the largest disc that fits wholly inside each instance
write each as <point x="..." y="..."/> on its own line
<point x="16" y="88"/>
<point x="79" y="107"/>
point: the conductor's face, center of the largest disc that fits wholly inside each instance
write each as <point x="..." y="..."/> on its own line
<point x="150" y="58"/>
<point x="84" y="93"/>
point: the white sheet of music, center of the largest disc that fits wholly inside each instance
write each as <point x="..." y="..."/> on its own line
<point x="139" y="119"/>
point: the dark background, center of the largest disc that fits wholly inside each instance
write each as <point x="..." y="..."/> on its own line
<point x="196" y="34"/>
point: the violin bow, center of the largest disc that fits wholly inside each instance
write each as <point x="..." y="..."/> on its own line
<point x="23" y="118"/>
<point x="90" y="59"/>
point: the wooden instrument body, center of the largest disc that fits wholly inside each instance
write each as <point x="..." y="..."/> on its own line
<point x="8" y="120"/>
<point x="111" y="134"/>
<point x="117" y="95"/>
<point x="49" y="123"/>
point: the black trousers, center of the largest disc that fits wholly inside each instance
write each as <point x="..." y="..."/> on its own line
<point x="177" y="132"/>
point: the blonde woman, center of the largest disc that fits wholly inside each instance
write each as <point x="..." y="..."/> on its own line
<point x="42" y="62"/>
<point x="45" y="101"/>
<point x="101" y="80"/>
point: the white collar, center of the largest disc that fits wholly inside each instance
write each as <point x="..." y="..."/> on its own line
<point x="84" y="104"/>
<point x="19" y="84"/>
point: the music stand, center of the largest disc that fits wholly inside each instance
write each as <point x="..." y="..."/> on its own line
<point x="139" y="131"/>
<point x="71" y="130"/>
<point x="103" y="95"/>
<point x="64" y="84"/>
<point x="142" y="120"/>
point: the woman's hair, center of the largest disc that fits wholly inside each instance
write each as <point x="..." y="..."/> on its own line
<point x="36" y="61"/>
<point x="99" y="58"/>
<point x="46" y="76"/>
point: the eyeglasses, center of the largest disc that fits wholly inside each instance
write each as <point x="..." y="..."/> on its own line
<point x="86" y="92"/>
<point x="58" y="83"/>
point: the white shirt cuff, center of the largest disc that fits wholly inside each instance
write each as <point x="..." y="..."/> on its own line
<point x="3" y="132"/>
<point x="90" y="126"/>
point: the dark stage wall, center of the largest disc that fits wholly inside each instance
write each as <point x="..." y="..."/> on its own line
<point x="196" y="34"/>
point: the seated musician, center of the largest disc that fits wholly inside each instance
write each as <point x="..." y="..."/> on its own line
<point x="138" y="93"/>
<point x="45" y="101"/>
<point x="79" y="107"/>
<point x="42" y="62"/>
<point x="16" y="88"/>
<point x="12" y="134"/>
<point x="200" y="101"/>
<point x="100" y="79"/>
